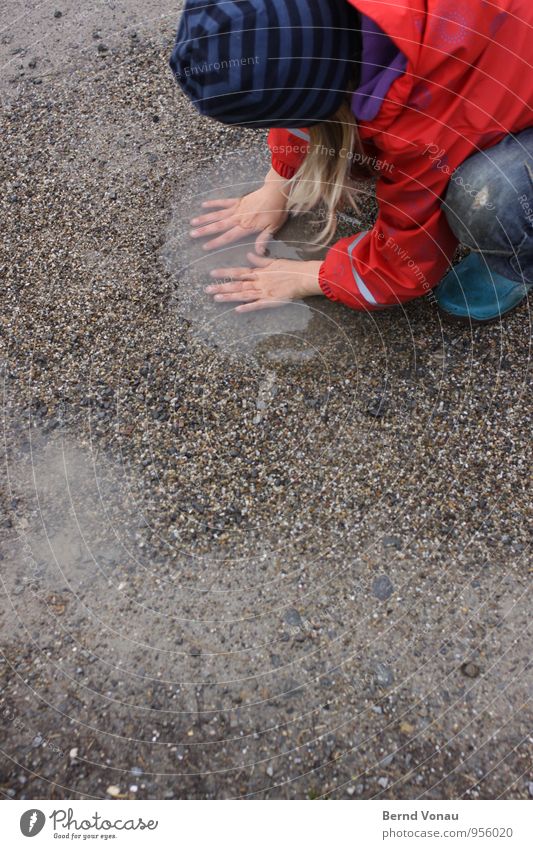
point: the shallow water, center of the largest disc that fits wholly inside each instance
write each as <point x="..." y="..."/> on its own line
<point x="295" y="328"/>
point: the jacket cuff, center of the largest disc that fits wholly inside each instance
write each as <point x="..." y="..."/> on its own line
<point x="284" y="170"/>
<point x="324" y="285"/>
<point x="336" y="279"/>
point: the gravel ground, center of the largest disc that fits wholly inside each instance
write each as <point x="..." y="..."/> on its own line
<point x="283" y="558"/>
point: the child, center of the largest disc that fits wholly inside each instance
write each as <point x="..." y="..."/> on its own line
<point x="433" y="97"/>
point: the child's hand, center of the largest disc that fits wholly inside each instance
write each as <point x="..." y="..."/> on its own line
<point x="269" y="283"/>
<point x="262" y="211"/>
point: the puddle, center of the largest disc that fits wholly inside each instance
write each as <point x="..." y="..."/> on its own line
<point x="84" y="574"/>
<point x="295" y="327"/>
<point x="73" y="519"/>
<point x="78" y="521"/>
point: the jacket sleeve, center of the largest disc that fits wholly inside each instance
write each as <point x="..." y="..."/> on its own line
<point x="407" y="251"/>
<point x="288" y="149"/>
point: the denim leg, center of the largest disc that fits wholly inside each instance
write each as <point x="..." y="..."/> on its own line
<point x="489" y="206"/>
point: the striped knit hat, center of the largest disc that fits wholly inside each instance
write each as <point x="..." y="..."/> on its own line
<point x="266" y="63"/>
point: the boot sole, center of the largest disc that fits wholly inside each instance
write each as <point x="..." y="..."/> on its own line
<point x="451" y="318"/>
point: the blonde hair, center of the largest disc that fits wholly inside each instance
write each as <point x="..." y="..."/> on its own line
<point x="323" y="177"/>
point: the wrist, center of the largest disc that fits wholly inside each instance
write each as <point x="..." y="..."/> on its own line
<point x="275" y="180"/>
<point x="311" y="278"/>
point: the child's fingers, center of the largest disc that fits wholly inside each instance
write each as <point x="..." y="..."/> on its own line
<point x="243" y="295"/>
<point x="262" y="241"/>
<point x="231" y="236"/>
<point x="219" y="226"/>
<point x="240" y="273"/>
<point x="218" y="215"/>
<point x="224" y="202"/>
<point x="259" y="261"/>
<point x="260" y="305"/>
<point x="234" y="286"/>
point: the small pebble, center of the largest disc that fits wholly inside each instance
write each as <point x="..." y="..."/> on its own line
<point x="382" y="587"/>
<point x="292" y="617"/>
<point x="392" y="542"/>
<point x="384" y="675"/>
<point x="113" y="790"/>
<point x="471" y="670"/>
<point x="58" y="14"/>
<point x="377" y="408"/>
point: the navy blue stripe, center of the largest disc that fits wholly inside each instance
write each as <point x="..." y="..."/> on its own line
<point x="305" y="53"/>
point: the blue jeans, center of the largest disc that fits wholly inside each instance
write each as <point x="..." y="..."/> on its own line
<point x="489" y="206"/>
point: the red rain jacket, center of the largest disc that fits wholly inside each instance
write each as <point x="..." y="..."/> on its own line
<point x="468" y="83"/>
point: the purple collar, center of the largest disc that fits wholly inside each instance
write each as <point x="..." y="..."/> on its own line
<point x="381" y="63"/>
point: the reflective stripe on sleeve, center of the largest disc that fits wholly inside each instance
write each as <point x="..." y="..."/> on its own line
<point x="300" y="134"/>
<point x="363" y="289"/>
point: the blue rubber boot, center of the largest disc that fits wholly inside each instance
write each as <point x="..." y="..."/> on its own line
<point x="471" y="292"/>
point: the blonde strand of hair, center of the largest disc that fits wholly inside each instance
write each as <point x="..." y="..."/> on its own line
<point x="323" y="177"/>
